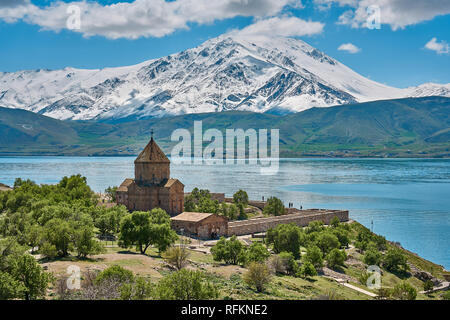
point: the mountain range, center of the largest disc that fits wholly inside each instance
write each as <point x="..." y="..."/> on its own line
<point x="409" y="127"/>
<point x="229" y="73"/>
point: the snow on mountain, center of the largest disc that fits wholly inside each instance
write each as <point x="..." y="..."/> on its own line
<point x="226" y="73"/>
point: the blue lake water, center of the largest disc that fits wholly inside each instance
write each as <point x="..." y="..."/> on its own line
<point x="408" y="200"/>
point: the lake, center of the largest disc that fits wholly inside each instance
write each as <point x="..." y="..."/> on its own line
<point x="408" y="200"/>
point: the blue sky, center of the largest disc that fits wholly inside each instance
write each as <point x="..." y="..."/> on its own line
<point x="411" y="47"/>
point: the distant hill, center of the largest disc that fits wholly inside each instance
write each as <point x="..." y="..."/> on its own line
<point x="410" y="127"/>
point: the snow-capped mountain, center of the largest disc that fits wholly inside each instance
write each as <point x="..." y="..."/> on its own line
<point x="226" y="73"/>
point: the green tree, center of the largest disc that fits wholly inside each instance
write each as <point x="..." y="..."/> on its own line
<point x="395" y="261"/>
<point x="59" y="233"/>
<point x="327" y="241"/>
<point x="286" y="237"/>
<point x="10" y="288"/>
<point x="307" y="270"/>
<point x="404" y="291"/>
<point x="336" y="258"/>
<point x="240" y="197"/>
<point x="111" y="193"/>
<point x="257" y="252"/>
<point x="31" y="276"/>
<point x="372" y="257"/>
<point x="314" y="256"/>
<point x="231" y="251"/>
<point x="274" y="207"/>
<point x="185" y="285"/>
<point x="428" y="285"/>
<point x="143" y="229"/>
<point x="257" y="276"/>
<point x="85" y="244"/>
<point x="335" y="222"/>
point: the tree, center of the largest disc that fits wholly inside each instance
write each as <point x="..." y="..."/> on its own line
<point x="240" y="197"/>
<point x="274" y="207"/>
<point x="258" y="276"/>
<point x="10" y="288"/>
<point x="315" y="226"/>
<point x="342" y="235"/>
<point x="327" y="241"/>
<point x="307" y="270"/>
<point x="286" y="237"/>
<point x="185" y="285"/>
<point x="335" y="222"/>
<point x="143" y="229"/>
<point x="404" y="291"/>
<point x="231" y="251"/>
<point x="314" y="256"/>
<point x="58" y="233"/>
<point x="108" y="221"/>
<point x="336" y="258"/>
<point x="372" y="257"/>
<point x="428" y="285"/>
<point x="111" y="193"/>
<point x="395" y="261"/>
<point x="176" y="256"/>
<point x="85" y="244"/>
<point x="257" y="252"/>
<point x="31" y="276"/>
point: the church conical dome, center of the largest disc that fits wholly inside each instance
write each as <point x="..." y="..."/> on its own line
<point x="152" y="153"/>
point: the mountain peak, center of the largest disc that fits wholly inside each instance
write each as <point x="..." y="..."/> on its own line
<point x="230" y="72"/>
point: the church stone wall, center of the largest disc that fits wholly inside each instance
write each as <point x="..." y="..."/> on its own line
<point x="300" y="219"/>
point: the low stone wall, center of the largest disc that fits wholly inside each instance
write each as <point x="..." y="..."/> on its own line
<point x="214" y="196"/>
<point x="301" y="219"/>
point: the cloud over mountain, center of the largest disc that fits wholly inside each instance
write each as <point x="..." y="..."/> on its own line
<point x="140" y="18"/>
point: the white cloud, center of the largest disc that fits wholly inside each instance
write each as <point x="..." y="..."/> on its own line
<point x="439" y="47"/>
<point x="396" y="13"/>
<point x="141" y="18"/>
<point x="282" y="26"/>
<point x="349" y="47"/>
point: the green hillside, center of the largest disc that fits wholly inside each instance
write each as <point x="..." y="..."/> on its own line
<point x="412" y="127"/>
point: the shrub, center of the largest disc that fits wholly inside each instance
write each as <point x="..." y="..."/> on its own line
<point x="176" y="257"/>
<point x="404" y="291"/>
<point x="231" y="251"/>
<point x="446" y="295"/>
<point x="257" y="252"/>
<point x="185" y="285"/>
<point x="241" y="197"/>
<point x="286" y="237"/>
<point x="274" y="207"/>
<point x="116" y="273"/>
<point x="428" y="285"/>
<point x="395" y="261"/>
<point x="372" y="257"/>
<point x="335" y="222"/>
<point x="315" y="256"/>
<point x="327" y="241"/>
<point x="307" y="270"/>
<point x="257" y="276"/>
<point x="336" y="258"/>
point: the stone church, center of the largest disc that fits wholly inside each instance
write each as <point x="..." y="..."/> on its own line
<point x="152" y="186"/>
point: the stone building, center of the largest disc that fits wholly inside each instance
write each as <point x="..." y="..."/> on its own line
<point x="152" y="186"/>
<point x="202" y="225"/>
